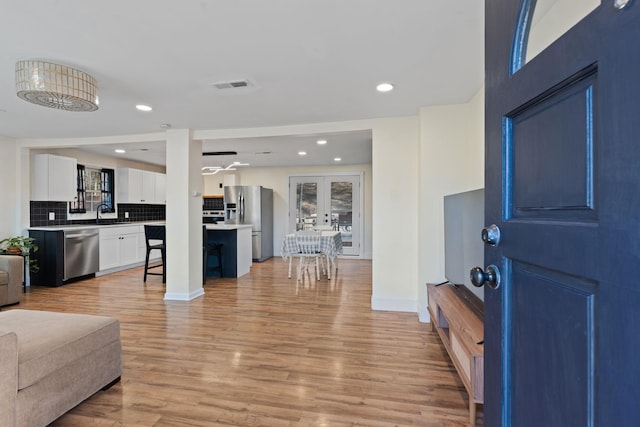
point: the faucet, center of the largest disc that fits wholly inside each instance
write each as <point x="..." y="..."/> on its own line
<point x="98" y="211"/>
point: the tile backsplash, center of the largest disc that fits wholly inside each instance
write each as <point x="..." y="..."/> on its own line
<point x="39" y="214"/>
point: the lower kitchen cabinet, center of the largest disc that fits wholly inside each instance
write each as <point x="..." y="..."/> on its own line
<point x="119" y="246"/>
<point x="49" y="258"/>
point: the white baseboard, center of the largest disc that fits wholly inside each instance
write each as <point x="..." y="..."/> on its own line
<point x="423" y="316"/>
<point x="394" y="304"/>
<point x="169" y="296"/>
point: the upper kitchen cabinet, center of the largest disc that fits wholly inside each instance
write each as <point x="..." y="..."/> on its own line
<point x="161" y="188"/>
<point x="138" y="186"/>
<point x="54" y="178"/>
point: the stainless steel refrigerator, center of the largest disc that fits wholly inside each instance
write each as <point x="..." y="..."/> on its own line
<point x="252" y="204"/>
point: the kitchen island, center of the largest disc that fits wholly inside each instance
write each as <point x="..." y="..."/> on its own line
<point x="236" y="252"/>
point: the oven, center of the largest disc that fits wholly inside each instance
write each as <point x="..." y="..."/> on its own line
<point x="212" y="216"/>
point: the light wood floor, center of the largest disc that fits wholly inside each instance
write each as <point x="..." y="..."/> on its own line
<point x="263" y="350"/>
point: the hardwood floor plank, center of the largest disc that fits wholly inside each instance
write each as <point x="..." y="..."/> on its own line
<point x="263" y="350"/>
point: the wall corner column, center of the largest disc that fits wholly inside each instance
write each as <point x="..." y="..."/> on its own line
<point x="184" y="216"/>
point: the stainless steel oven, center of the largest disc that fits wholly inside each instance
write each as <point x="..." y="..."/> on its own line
<point x="212" y="216"/>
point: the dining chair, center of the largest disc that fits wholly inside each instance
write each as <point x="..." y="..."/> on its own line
<point x="155" y="233"/>
<point x="292" y="246"/>
<point x="308" y="246"/>
<point x="325" y="260"/>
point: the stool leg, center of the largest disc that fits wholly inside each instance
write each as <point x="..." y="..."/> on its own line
<point x="146" y="266"/>
<point x="164" y="266"/>
<point x="204" y="265"/>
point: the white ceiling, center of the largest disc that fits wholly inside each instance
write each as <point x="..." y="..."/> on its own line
<point x="309" y="62"/>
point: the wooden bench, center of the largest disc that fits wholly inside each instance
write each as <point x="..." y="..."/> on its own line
<point x="457" y="316"/>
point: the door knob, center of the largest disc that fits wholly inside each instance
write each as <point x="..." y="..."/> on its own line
<point x="491" y="277"/>
<point x="620" y="4"/>
<point x="491" y="235"/>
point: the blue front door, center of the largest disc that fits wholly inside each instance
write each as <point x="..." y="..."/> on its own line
<point x="562" y="346"/>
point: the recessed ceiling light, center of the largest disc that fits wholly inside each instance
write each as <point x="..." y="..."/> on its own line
<point x="322" y="141"/>
<point x="337" y="159"/>
<point x="302" y="153"/>
<point x="143" y="107"/>
<point x="119" y="151"/>
<point x="384" y="87"/>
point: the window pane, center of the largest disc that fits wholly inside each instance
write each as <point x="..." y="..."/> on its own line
<point x="306" y="205"/>
<point x="342" y="210"/>
<point x="552" y="18"/>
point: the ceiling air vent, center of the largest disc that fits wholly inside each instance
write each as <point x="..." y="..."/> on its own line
<point x="220" y="153"/>
<point x="236" y="84"/>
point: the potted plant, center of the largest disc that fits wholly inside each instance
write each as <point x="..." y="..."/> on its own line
<point x="20" y="245"/>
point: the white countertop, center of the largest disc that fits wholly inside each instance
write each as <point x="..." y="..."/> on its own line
<point x="126" y="224"/>
<point x="227" y="226"/>
<point x="91" y="226"/>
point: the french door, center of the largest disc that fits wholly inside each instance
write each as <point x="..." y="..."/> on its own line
<point x="330" y="203"/>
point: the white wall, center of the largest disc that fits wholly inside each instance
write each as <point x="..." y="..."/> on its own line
<point x="10" y="189"/>
<point x="451" y="161"/>
<point x="93" y="159"/>
<point x="277" y="178"/>
<point x="395" y="214"/>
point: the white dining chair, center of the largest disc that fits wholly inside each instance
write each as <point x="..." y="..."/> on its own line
<point x="325" y="261"/>
<point x="308" y="243"/>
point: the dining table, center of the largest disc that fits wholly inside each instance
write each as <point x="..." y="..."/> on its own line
<point x="329" y="244"/>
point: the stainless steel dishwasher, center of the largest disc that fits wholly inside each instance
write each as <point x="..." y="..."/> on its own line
<point x="81" y="252"/>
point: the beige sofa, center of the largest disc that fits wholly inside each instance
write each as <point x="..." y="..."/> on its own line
<point x="11" y="276"/>
<point x="53" y="361"/>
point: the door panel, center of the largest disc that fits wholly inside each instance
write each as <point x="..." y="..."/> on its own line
<point x="557" y="369"/>
<point x="561" y="184"/>
<point x="549" y="145"/>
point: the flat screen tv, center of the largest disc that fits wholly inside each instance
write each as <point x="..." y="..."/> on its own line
<point x="463" y="246"/>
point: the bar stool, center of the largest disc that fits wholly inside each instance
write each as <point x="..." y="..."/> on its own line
<point x="210" y="249"/>
<point x="155" y="232"/>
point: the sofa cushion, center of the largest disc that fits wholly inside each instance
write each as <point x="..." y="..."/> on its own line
<point x="4" y="277"/>
<point x="48" y="341"/>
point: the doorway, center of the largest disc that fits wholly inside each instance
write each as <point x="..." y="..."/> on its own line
<point x="332" y="202"/>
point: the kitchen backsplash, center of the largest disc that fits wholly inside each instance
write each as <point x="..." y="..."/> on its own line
<point x="137" y="212"/>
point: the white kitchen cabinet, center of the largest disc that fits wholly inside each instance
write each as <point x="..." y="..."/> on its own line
<point x="128" y="185"/>
<point x="161" y="188"/>
<point x="119" y="246"/>
<point x="138" y="186"/>
<point x="148" y="187"/>
<point x="54" y="178"/>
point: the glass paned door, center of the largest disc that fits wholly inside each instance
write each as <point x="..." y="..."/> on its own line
<point x="327" y="203"/>
<point x="342" y="199"/>
<point x="306" y="202"/>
